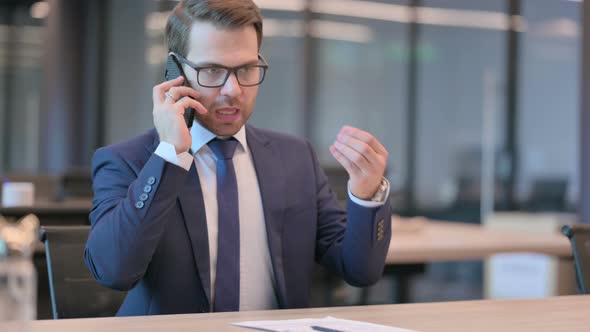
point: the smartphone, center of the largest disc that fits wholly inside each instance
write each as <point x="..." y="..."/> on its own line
<point x="173" y="70"/>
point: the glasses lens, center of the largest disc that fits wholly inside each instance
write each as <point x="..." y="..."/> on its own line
<point x="212" y="76"/>
<point x="215" y="77"/>
<point x="250" y="75"/>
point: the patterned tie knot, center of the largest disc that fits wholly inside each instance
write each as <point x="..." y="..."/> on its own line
<point x="223" y="149"/>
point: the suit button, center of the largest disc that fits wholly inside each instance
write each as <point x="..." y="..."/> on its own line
<point x="143" y="197"/>
<point x="147" y="189"/>
<point x="151" y="180"/>
<point x="139" y="204"/>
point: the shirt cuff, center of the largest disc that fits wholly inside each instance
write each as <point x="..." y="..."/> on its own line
<point x="167" y="152"/>
<point x="370" y="204"/>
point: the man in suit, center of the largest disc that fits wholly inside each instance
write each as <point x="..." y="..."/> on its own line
<point x="223" y="216"/>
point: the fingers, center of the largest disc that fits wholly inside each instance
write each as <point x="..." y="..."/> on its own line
<point x="366" y="138"/>
<point x="160" y="89"/>
<point x="362" y="150"/>
<point x="176" y="93"/>
<point x="173" y="93"/>
<point x="361" y="147"/>
<point x="350" y="167"/>
<point x="358" y="160"/>
<point x="187" y="102"/>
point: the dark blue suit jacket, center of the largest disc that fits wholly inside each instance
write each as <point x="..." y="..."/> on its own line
<point x="156" y="247"/>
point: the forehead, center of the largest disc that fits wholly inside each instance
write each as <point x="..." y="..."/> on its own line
<point x="227" y="46"/>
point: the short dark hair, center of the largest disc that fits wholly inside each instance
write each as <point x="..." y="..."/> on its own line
<point x="222" y="13"/>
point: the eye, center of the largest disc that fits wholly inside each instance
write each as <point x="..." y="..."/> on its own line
<point x="247" y="70"/>
<point x="213" y="71"/>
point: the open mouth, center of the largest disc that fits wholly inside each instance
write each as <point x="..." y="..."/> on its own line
<point x="229" y="114"/>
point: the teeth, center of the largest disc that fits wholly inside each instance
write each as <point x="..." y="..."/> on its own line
<point x="228" y="112"/>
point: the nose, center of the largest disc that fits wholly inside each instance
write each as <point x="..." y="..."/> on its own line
<point x="231" y="87"/>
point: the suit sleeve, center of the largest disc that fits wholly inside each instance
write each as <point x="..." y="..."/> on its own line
<point x="128" y="215"/>
<point x="353" y="244"/>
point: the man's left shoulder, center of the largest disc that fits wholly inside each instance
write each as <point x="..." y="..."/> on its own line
<point x="279" y="138"/>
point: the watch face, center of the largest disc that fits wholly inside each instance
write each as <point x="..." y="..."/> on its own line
<point x="380" y="194"/>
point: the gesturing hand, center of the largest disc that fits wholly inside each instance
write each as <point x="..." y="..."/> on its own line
<point x="363" y="157"/>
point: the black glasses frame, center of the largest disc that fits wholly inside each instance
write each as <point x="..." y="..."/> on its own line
<point x="263" y="66"/>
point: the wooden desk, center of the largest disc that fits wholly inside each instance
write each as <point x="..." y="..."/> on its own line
<point x="537" y="315"/>
<point x="447" y="241"/>
<point x="65" y="213"/>
<point x="435" y="241"/>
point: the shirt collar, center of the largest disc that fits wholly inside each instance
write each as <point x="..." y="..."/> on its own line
<point x="201" y="136"/>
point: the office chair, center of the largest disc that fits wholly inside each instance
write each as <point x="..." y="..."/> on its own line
<point x="579" y="236"/>
<point x="75" y="183"/>
<point x="547" y="194"/>
<point x="74" y="292"/>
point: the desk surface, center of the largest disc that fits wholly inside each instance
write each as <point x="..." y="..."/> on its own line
<point x="446" y="241"/>
<point x="71" y="212"/>
<point x="45" y="207"/>
<point x="537" y="315"/>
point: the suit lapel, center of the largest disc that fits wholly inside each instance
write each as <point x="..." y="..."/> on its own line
<point x="267" y="162"/>
<point x="195" y="220"/>
<point x="191" y="202"/>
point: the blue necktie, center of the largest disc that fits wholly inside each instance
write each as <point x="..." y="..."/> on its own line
<point x="227" y="280"/>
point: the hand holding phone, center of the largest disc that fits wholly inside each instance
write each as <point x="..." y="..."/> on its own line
<point x="174" y="106"/>
<point x="174" y="70"/>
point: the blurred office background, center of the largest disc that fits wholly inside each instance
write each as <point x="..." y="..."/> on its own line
<point x="477" y="101"/>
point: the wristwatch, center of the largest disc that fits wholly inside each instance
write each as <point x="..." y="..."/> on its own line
<point x="381" y="192"/>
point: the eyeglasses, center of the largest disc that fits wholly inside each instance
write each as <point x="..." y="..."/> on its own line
<point x="216" y="76"/>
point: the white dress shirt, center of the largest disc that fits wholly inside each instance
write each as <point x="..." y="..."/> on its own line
<point x="257" y="281"/>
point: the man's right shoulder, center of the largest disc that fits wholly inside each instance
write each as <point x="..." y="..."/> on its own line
<point x="134" y="149"/>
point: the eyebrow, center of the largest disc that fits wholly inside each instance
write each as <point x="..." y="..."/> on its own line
<point x="215" y="64"/>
